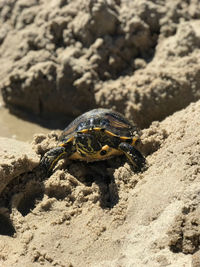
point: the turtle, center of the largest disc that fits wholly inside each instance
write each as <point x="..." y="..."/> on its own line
<point x="98" y="134"/>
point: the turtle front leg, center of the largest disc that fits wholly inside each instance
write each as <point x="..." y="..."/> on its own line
<point x="133" y="155"/>
<point x="51" y="157"/>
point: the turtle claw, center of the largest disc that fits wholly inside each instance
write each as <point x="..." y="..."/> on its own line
<point x="133" y="155"/>
<point x="50" y="159"/>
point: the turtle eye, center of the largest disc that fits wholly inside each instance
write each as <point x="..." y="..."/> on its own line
<point x="103" y="152"/>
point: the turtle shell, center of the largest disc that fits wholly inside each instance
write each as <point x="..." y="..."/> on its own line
<point x="97" y="119"/>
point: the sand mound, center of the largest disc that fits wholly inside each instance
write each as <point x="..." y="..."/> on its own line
<point x="15" y="158"/>
<point x="142" y="58"/>
<point x="103" y="214"/>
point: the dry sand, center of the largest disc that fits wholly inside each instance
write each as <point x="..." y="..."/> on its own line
<point x="142" y="58"/>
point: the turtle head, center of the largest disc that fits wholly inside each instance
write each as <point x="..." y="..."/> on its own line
<point x="51" y="157"/>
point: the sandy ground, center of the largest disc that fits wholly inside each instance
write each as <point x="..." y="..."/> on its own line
<point x="61" y="58"/>
<point x="16" y="127"/>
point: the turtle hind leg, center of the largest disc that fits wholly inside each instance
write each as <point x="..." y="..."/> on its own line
<point x="51" y="157"/>
<point x="133" y="155"/>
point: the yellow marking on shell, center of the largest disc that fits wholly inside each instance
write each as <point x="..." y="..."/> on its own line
<point x="106" y="131"/>
<point x="109" y="133"/>
<point x="90" y="129"/>
<point x="124" y="138"/>
<point x="56" y="160"/>
<point x="134" y="139"/>
<point x="84" y="131"/>
<point x="97" y="129"/>
<point x="69" y="140"/>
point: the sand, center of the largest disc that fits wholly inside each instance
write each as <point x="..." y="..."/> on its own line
<point x="142" y="58"/>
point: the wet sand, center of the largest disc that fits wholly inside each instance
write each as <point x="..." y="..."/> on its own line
<point x="17" y="128"/>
